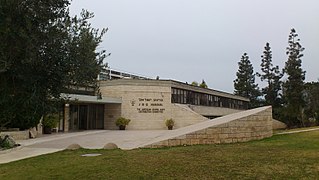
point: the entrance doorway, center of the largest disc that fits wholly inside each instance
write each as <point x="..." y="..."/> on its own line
<point x="86" y="117"/>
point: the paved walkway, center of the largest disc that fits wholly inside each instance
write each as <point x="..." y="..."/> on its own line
<point x="298" y="131"/>
<point x="96" y="139"/>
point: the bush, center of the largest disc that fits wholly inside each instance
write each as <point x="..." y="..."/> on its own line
<point x="169" y="122"/>
<point x="51" y="120"/>
<point x="7" y="142"/>
<point x="121" y="121"/>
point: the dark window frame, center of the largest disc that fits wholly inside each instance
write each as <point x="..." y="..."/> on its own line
<point x="182" y="96"/>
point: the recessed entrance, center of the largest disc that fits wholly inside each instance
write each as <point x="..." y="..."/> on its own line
<point x="86" y="117"/>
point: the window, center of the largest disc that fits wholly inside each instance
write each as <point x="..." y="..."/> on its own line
<point x="183" y="96"/>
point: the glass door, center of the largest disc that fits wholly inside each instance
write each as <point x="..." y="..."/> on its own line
<point x="83" y="117"/>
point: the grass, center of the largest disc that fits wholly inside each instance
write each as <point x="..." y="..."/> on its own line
<point x="293" y="156"/>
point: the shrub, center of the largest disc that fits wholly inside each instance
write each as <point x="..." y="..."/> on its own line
<point x="169" y="122"/>
<point x="121" y="121"/>
<point x="51" y="120"/>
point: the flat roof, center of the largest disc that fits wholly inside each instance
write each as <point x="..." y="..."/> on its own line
<point x="169" y="83"/>
<point x="91" y="99"/>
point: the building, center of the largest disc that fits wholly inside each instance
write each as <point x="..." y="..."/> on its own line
<point x="110" y="74"/>
<point x="148" y="103"/>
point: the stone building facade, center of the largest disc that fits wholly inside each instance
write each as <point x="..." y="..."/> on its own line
<point x="148" y="103"/>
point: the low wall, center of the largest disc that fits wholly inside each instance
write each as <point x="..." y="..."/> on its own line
<point x="16" y="135"/>
<point x="278" y="125"/>
<point x="239" y="127"/>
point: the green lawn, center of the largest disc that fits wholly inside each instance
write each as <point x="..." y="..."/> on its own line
<point x="293" y="156"/>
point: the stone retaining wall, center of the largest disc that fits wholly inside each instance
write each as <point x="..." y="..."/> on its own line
<point x="16" y="135"/>
<point x="252" y="127"/>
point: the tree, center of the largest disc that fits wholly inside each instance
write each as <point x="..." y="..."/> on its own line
<point x="244" y="84"/>
<point x="312" y="103"/>
<point x="45" y="52"/>
<point x="194" y="83"/>
<point x="272" y="76"/>
<point x="294" y="85"/>
<point x="83" y="41"/>
<point x="203" y="84"/>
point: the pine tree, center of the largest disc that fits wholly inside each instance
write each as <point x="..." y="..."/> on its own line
<point x="294" y="85"/>
<point x="312" y="102"/>
<point x="245" y="85"/>
<point x="272" y="76"/>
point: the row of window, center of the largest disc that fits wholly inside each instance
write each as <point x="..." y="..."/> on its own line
<point x="107" y="74"/>
<point x="182" y="96"/>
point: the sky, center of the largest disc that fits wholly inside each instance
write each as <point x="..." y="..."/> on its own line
<point x="192" y="40"/>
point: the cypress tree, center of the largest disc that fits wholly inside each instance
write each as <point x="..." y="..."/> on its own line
<point x="244" y="84"/>
<point x="272" y="76"/>
<point x="312" y="103"/>
<point x="294" y="85"/>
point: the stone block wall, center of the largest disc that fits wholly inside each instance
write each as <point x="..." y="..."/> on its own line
<point x="16" y="135"/>
<point x="252" y="127"/>
<point x="111" y="113"/>
<point x="147" y="105"/>
<point x="138" y="103"/>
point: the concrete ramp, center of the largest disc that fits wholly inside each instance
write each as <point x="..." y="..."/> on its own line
<point x="278" y="125"/>
<point x="239" y="127"/>
<point x="185" y="116"/>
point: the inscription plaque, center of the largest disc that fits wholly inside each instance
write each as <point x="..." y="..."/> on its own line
<point x="149" y="105"/>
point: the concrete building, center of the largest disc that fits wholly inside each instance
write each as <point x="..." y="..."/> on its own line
<point x="110" y="74"/>
<point x="148" y="103"/>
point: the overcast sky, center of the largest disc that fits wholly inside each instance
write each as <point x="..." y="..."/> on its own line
<point x="191" y="40"/>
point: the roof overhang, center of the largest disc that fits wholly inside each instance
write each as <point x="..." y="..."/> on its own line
<point x="91" y="99"/>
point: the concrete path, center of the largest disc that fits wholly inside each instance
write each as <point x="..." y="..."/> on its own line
<point x="298" y="131"/>
<point x="96" y="139"/>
